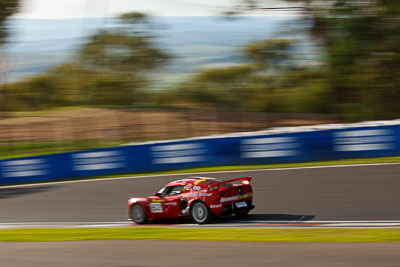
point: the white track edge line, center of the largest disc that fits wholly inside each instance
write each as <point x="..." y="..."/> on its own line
<point x="240" y="222"/>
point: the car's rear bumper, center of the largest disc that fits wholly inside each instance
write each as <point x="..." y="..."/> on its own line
<point x="229" y="207"/>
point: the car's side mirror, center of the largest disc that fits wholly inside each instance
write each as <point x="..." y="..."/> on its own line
<point x="157" y="194"/>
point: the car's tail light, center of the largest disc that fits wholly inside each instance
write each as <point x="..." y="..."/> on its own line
<point x="224" y="193"/>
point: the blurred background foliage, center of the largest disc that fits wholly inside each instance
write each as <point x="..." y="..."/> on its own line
<point x="109" y="69"/>
<point x="357" y="75"/>
<point x="360" y="41"/>
<point x="7" y="8"/>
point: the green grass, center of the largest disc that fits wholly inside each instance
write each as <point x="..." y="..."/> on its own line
<point x="26" y="149"/>
<point x="196" y="234"/>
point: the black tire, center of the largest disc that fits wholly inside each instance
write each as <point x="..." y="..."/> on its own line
<point x="200" y="213"/>
<point x="138" y="214"/>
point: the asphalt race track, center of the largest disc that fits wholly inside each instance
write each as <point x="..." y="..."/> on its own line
<point x="146" y="253"/>
<point x="352" y="193"/>
<point x="308" y="195"/>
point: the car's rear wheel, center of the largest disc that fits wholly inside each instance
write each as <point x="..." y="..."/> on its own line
<point x="200" y="213"/>
<point x="138" y="214"/>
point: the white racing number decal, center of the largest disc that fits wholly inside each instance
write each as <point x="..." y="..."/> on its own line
<point x="156" y="208"/>
<point x="197" y="188"/>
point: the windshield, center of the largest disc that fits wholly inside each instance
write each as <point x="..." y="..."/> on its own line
<point x="171" y="190"/>
<point x="161" y="190"/>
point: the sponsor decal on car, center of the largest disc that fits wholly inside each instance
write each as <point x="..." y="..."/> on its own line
<point x="196" y="188"/>
<point x="241" y="196"/>
<point x="216" y="206"/>
<point x="205" y="194"/>
<point x="206" y="181"/>
<point x="199" y="195"/>
<point x="156" y="208"/>
<point x="200" y="181"/>
<point x="157" y="200"/>
<point x="227" y="199"/>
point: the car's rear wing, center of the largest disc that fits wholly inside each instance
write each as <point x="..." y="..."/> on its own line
<point x="245" y="180"/>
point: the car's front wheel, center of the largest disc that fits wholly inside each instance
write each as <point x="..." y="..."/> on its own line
<point x="200" y="213"/>
<point x="138" y="214"/>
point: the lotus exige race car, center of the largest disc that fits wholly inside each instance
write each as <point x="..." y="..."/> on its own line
<point x="198" y="197"/>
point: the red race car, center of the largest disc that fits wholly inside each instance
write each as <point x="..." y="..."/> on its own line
<point x="198" y="197"/>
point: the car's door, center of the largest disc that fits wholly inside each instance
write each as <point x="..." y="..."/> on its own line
<point x="172" y="201"/>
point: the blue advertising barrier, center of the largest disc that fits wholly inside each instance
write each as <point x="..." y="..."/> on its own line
<point x="276" y="146"/>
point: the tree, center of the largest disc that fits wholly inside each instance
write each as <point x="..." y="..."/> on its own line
<point x="7" y="8"/>
<point x="361" y="42"/>
<point x="126" y="48"/>
<point x="268" y="53"/>
<point x="108" y="51"/>
<point x="26" y="96"/>
<point x="126" y="52"/>
<point x="110" y="70"/>
<point x="248" y="86"/>
<point x="218" y="87"/>
<point x="70" y="85"/>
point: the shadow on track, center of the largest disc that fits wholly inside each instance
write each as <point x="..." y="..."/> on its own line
<point x="251" y="218"/>
<point x="19" y="191"/>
